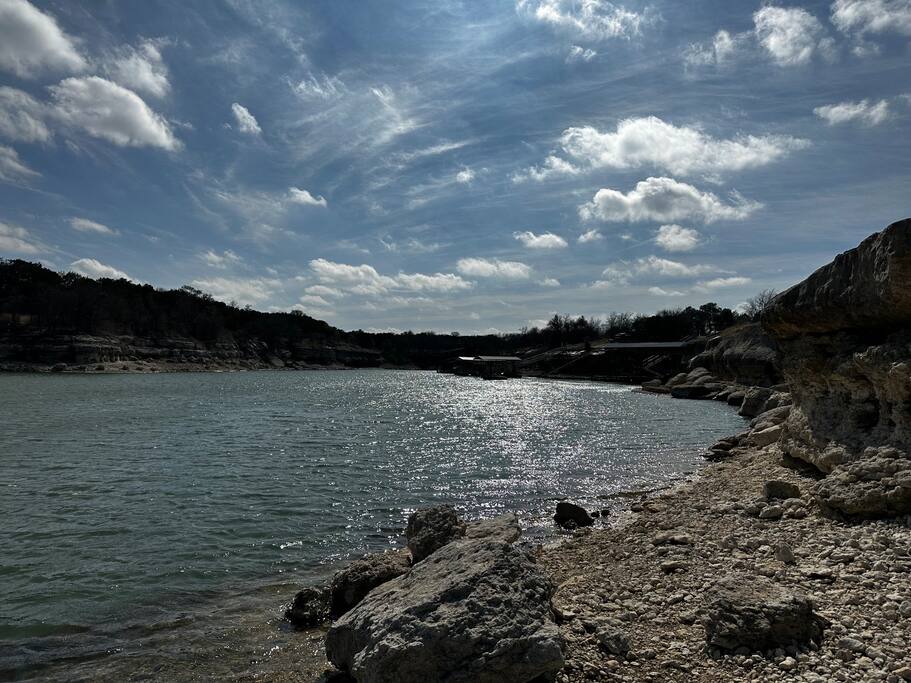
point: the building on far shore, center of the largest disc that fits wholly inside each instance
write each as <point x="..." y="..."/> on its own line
<point x="488" y="367"/>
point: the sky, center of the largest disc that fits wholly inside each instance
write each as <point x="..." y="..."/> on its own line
<point x="452" y="165"/>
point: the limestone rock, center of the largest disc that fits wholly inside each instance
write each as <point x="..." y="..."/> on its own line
<point x="878" y="485"/>
<point x="503" y="528"/>
<point x="780" y="490"/>
<point x="475" y="610"/>
<point x="744" y="354"/>
<point x="570" y="515"/>
<point x="765" y="437"/>
<point x="432" y="528"/>
<point x="351" y="584"/>
<point x="310" y="608"/>
<point x="756" y="613"/>
<point x="754" y="401"/>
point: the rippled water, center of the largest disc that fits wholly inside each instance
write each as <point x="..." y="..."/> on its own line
<point x="131" y="504"/>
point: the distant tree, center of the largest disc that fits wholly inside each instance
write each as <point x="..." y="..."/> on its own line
<point x="755" y="305"/>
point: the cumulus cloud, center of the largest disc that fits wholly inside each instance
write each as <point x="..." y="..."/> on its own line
<point x="297" y="195"/>
<point x="13" y="169"/>
<point x="722" y="282"/>
<point x="592" y="235"/>
<point x="86" y="225"/>
<point x="791" y="36"/>
<point x="221" y="261"/>
<point x="651" y="142"/>
<point x="550" y="282"/>
<point x="552" y="166"/>
<point x="578" y="53"/>
<point x="494" y="268"/>
<point x="111" y="112"/>
<point x="676" y="238"/>
<point x="865" y="111"/>
<point x="96" y="269"/>
<point x="664" y="200"/>
<point x="587" y="19"/>
<point x="313" y="300"/>
<point x="141" y="69"/>
<point x="546" y="240"/>
<point x="324" y="291"/>
<point x="872" y="16"/>
<point x="242" y="291"/>
<point x="31" y="42"/>
<point x="365" y="279"/>
<point x="22" y="116"/>
<point x="16" y="240"/>
<point x="622" y="272"/>
<point x="246" y="122"/>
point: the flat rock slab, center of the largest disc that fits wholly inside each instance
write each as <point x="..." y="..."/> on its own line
<point x="474" y="611"/>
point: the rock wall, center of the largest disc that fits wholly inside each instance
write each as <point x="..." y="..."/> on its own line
<point x="845" y="339"/>
<point x="744" y="354"/>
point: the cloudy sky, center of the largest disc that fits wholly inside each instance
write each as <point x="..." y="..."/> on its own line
<point x="452" y="164"/>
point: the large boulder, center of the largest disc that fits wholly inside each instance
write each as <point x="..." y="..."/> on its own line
<point x="758" y="614"/>
<point x="476" y="610"/>
<point x="310" y="607"/>
<point x="754" y="401"/>
<point x="350" y="585"/>
<point x="432" y="528"/>
<point x="504" y="528"/>
<point x="877" y="485"/>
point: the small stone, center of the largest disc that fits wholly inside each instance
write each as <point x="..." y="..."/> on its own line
<point x="783" y="553"/>
<point x="780" y="490"/>
<point x="671" y="566"/>
<point x="771" y="512"/>
<point x="788" y="664"/>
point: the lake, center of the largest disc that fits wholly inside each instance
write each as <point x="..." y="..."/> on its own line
<point x="133" y="507"/>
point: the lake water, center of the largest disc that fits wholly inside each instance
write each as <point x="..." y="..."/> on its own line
<point x="134" y="507"/>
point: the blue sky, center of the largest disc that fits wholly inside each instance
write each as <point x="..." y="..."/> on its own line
<point x="452" y="165"/>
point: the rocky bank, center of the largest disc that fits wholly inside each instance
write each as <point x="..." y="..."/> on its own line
<point x="787" y="558"/>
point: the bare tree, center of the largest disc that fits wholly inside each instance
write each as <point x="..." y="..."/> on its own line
<point x="756" y="305"/>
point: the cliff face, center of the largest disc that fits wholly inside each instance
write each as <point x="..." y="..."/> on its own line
<point x="845" y="338"/>
<point x="743" y="354"/>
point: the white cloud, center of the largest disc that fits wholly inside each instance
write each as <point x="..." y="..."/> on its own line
<point x="550" y="282"/>
<point x="298" y="196"/>
<point x="313" y="300"/>
<point x="676" y="238"/>
<point x="650" y="141"/>
<point x="246" y="122"/>
<point x="221" y="261"/>
<point x="12" y="169"/>
<point x="546" y="240"/>
<point x="580" y="54"/>
<point x="592" y="235"/>
<point x="322" y="290"/>
<point x="791" y="35"/>
<point x="721" y="50"/>
<point x="587" y="19"/>
<point x="22" y="116"/>
<point x="658" y="291"/>
<point x="552" y="166"/>
<point x="364" y="279"/>
<point x="865" y="112"/>
<point x="495" y="268"/>
<point x="622" y="272"/>
<point x="141" y="69"/>
<point x="17" y="240"/>
<point x="319" y="87"/>
<point x="86" y="225"/>
<point x="664" y="200"/>
<point x="721" y="282"/>
<point x="106" y="110"/>
<point x="31" y="42"/>
<point x="95" y="269"/>
<point x="465" y="176"/>
<point x="872" y="16"/>
<point x="243" y="291"/>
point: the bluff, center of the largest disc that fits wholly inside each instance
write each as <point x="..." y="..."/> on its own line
<point x="845" y="340"/>
<point x="743" y="354"/>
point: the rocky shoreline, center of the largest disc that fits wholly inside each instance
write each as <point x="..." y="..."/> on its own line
<point x="786" y="558"/>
